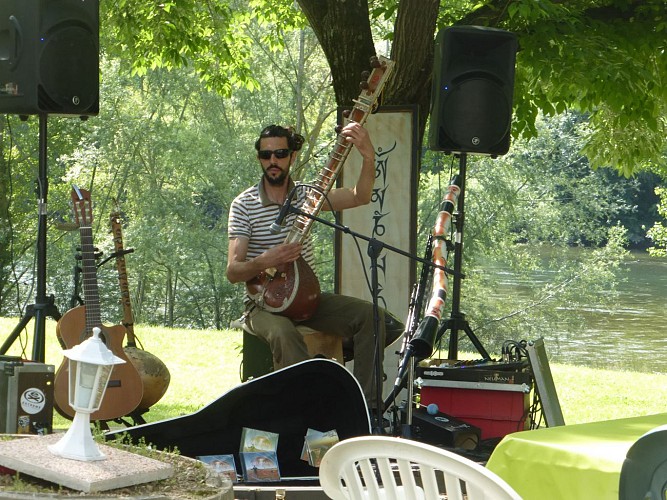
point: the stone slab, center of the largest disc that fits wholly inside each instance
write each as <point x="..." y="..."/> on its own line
<point x="120" y="469"/>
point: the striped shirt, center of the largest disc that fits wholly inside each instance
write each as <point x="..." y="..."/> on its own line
<point x="251" y="215"/>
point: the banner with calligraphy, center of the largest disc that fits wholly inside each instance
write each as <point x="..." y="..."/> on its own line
<point x="390" y="218"/>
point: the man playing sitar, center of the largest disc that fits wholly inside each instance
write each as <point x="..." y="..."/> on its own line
<point x="261" y="254"/>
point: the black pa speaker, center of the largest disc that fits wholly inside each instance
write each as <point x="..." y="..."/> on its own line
<point x="49" y="57"/>
<point x="473" y="83"/>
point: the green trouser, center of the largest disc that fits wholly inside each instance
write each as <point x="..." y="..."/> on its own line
<point x="347" y="317"/>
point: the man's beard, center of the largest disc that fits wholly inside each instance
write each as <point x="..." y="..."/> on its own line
<point x="276" y="181"/>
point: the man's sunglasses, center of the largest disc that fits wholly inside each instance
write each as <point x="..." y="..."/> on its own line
<point x="265" y="154"/>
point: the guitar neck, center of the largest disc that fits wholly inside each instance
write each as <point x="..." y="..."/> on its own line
<point x="89" y="280"/>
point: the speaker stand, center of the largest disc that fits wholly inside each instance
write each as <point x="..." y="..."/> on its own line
<point x="457" y="321"/>
<point x="44" y="306"/>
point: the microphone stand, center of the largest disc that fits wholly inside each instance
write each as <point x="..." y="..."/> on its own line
<point x="375" y="247"/>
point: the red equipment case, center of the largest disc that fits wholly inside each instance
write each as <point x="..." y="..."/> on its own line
<point x="494" y="399"/>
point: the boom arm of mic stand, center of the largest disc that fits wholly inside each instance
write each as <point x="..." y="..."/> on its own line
<point x="347" y="230"/>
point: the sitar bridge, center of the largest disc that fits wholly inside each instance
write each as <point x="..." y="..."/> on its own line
<point x="271" y="272"/>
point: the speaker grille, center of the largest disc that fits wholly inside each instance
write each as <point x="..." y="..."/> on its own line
<point x="477" y="114"/>
<point x="69" y="71"/>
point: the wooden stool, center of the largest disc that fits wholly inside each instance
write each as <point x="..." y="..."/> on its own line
<point x="257" y="358"/>
<point x="322" y="344"/>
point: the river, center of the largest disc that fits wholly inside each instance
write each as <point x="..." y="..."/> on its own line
<point x="632" y="336"/>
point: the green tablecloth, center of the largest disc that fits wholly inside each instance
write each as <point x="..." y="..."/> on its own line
<point x="570" y="462"/>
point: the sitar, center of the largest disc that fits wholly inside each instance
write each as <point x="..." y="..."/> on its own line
<point x="124" y="389"/>
<point x="293" y="289"/>
<point x="154" y="374"/>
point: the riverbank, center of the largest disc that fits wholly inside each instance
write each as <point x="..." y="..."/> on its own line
<point x="205" y="364"/>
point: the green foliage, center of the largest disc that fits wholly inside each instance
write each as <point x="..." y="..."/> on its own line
<point x="214" y="38"/>
<point x="530" y="214"/>
<point x="211" y="37"/>
<point x="658" y="233"/>
<point x="277" y="18"/>
<point x="614" y="73"/>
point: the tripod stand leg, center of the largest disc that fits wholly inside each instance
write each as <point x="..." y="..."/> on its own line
<point x="475" y="341"/>
<point x="17" y="330"/>
<point x="42" y="311"/>
<point x="38" y="312"/>
<point x="455" y="324"/>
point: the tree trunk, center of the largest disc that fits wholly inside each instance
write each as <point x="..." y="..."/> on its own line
<point x="343" y="29"/>
<point x="170" y="285"/>
<point x="413" y="52"/>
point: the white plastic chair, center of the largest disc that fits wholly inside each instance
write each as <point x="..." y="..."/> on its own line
<point x="390" y="468"/>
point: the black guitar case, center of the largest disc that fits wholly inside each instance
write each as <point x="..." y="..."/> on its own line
<point x="318" y="394"/>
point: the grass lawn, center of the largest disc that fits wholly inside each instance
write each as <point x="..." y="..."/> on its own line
<point x="205" y="364"/>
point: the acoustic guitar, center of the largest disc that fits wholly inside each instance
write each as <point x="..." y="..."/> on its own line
<point x="124" y="390"/>
<point x="293" y="290"/>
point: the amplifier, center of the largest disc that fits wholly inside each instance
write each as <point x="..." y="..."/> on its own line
<point x="489" y="375"/>
<point x="26" y="394"/>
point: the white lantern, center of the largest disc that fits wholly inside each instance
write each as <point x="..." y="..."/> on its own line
<point x="90" y="365"/>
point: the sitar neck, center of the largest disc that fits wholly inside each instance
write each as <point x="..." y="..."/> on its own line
<point x="128" y="317"/>
<point x="317" y="194"/>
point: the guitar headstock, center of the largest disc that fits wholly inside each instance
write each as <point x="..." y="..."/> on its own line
<point x="82" y="207"/>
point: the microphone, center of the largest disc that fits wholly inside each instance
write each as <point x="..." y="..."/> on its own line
<point x="420" y="347"/>
<point x="277" y="225"/>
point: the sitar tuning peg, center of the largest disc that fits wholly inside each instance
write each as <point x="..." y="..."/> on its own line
<point x="365" y="75"/>
<point x="363" y="85"/>
<point x="375" y="62"/>
<point x="347" y="113"/>
<point x="338" y="129"/>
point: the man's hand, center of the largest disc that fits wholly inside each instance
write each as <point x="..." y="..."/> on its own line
<point x="281" y="254"/>
<point x="239" y="269"/>
<point x="358" y="135"/>
<point x="360" y="194"/>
